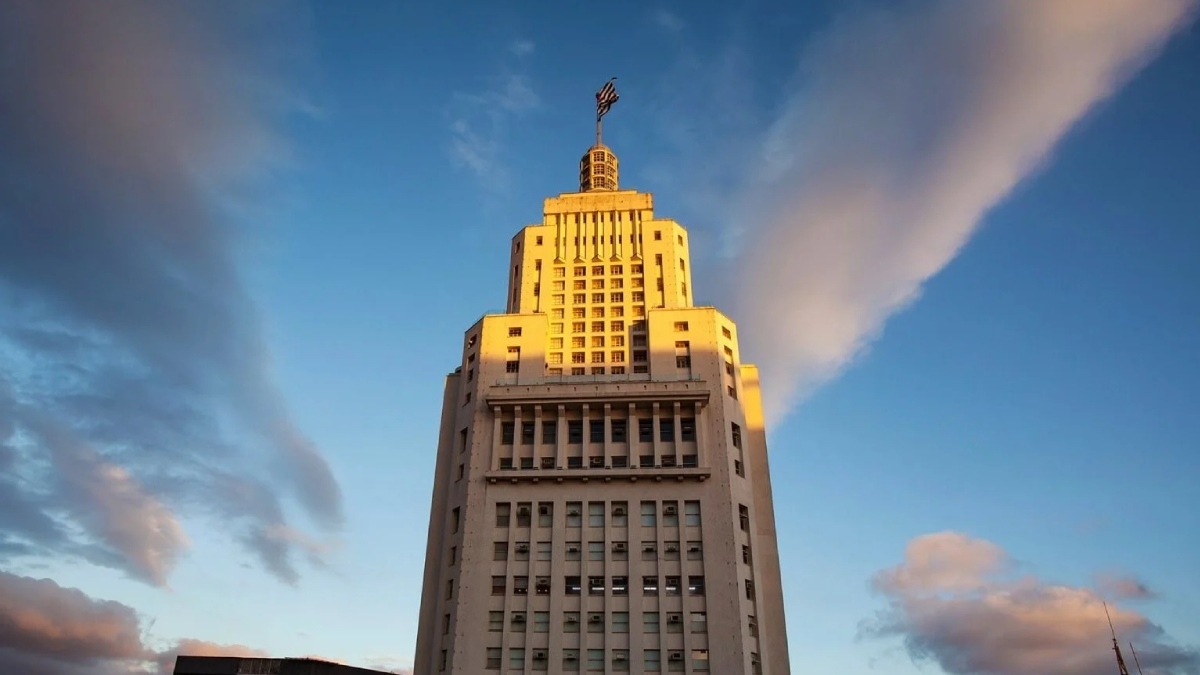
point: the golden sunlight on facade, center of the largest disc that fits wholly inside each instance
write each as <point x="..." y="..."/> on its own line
<point x="602" y="500"/>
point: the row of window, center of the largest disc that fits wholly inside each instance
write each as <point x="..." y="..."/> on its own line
<point x="596" y="513"/>
<point x="618" y="431"/>
<point x="598" y="298"/>
<point x="597" y="462"/>
<point x="597" y="270"/>
<point x="596" y="660"/>
<point x="596" y="550"/>
<point x="598" y="340"/>
<point x="596" y="623"/>
<point x="597" y="585"/>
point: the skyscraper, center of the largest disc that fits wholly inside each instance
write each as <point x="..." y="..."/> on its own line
<point x="602" y="501"/>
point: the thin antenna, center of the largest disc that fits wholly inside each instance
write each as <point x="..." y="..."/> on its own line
<point x="1116" y="647"/>
<point x="1135" y="659"/>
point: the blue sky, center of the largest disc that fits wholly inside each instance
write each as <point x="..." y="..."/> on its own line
<point x="1010" y="359"/>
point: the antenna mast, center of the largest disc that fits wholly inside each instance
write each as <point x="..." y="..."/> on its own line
<point x="1116" y="647"/>
<point x="1135" y="659"/>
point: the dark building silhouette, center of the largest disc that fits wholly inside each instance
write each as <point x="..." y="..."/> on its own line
<point x="237" y="665"/>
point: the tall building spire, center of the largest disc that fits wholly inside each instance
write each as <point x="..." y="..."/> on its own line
<point x="598" y="168"/>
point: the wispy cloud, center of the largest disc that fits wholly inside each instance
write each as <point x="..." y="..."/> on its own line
<point x="955" y="602"/>
<point x="667" y="20"/>
<point x="480" y="121"/>
<point x="906" y="124"/>
<point x="135" y="383"/>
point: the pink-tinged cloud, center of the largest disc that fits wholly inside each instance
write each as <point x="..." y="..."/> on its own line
<point x="165" y="660"/>
<point x="39" y="617"/>
<point x="953" y="602"/>
<point x="906" y="124"/>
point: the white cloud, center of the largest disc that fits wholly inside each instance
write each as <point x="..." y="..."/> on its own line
<point x="954" y="602"/>
<point x="480" y="121"/>
<point x="907" y="124"/>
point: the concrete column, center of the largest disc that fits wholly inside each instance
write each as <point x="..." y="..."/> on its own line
<point x="494" y="462"/>
<point x="560" y="442"/>
<point x="607" y="433"/>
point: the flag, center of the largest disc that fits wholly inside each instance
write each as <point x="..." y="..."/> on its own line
<point x="605" y="98"/>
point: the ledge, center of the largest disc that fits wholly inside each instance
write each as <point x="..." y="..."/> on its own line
<point x="676" y="473"/>
<point x="606" y="392"/>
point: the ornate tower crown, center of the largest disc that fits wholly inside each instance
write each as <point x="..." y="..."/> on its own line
<point x="598" y="169"/>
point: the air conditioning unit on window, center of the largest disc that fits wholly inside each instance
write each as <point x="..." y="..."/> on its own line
<point x="694" y="548"/>
<point x="672" y="548"/>
<point x="674" y="618"/>
<point x="523" y="511"/>
<point x="572" y="549"/>
<point x="573" y="513"/>
<point x="669" y="510"/>
<point x="618" y="510"/>
<point x="619" y="547"/>
<point x="620" y="657"/>
<point x="572" y="620"/>
<point x="543" y="510"/>
<point x="596" y="618"/>
<point x="676" y="656"/>
<point x="518" y="618"/>
<point x="570" y="657"/>
<point x="649" y="549"/>
<point x="539" y="655"/>
<point x="522" y="548"/>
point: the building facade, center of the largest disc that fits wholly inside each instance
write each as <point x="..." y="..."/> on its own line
<point x="237" y="665"/>
<point x="602" y="500"/>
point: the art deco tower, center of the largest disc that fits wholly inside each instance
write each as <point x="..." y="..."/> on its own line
<point x="602" y="500"/>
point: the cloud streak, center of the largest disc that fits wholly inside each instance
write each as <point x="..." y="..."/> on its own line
<point x="955" y="602"/>
<point x="906" y="124"/>
<point x="134" y="379"/>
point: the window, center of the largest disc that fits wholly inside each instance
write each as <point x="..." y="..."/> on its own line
<point x="499" y="585"/>
<point x="502" y="511"/>
<point x="687" y="429"/>
<point x="745" y="554"/>
<point x="575" y="431"/>
<point x="651" y="661"/>
<point x="645" y="425"/>
<point x="580" y="271"/>
<point x="597" y="269"/>
<point x="556" y="328"/>
<point x="699" y="660"/>
<point x="617" y="326"/>
<point x="649" y="621"/>
<point x="541" y="622"/>
<point x="617" y="283"/>
<point x="449" y="589"/>
<point x="596" y="514"/>
<point x="616" y="311"/>
<point x="595" y="550"/>
<point x="658" y="235"/>
<point x="681" y="326"/>
<point x="516" y="658"/>
<point x="617" y="357"/>
<point x="620" y="517"/>
<point x="752" y="625"/>
<point x="522" y="551"/>
<point x="454" y="518"/>
<point x="579" y="298"/>
<point x="620" y="660"/>
<point x="495" y="621"/>
<point x="749" y="589"/>
<point x="570" y="622"/>
<point x="578" y="371"/>
<point x="500" y="550"/>
<point x="507" y="430"/>
<point x="649" y="550"/>
<point x="671" y="550"/>
<point x="514" y="332"/>
<point x="620" y="586"/>
<point x="619" y="462"/>
<point x="523" y="514"/>
<point x="578" y="357"/>
<point x="616" y="297"/>
<point x="555" y="358"/>
<point x="658" y="259"/>
<point x="578" y="313"/>
<point x="571" y="585"/>
<point x="597" y="371"/>
<point x="521" y="584"/>
<point x="695" y="550"/>
<point x="595" y="659"/>
<point x="691" y="461"/>
<point x="597" y="297"/>
<point x="560" y="272"/>
<point x="549" y="432"/>
<point x="674" y="623"/>
<point x="578" y="326"/>
<point x="638" y="296"/>
<point x="672" y="586"/>
<point x="691" y="513"/>
<point x="617" y="340"/>
<point x="755" y="664"/>
<point x="527" y="433"/>
<point x="744" y="517"/>
<point x="598" y="284"/>
<point x="650" y="585"/>
<point x="659" y="283"/>
<point x="619" y="429"/>
<point x="731" y="391"/>
<point x="574" y="462"/>
<point x="618" y="370"/>
<point x="696" y="585"/>
<point x="596" y="431"/>
<point x="683" y="362"/>
<point x="639" y="356"/>
<point x="493" y="658"/>
<point x="737" y="436"/>
<point x="574" y="514"/>
<point x="649" y="513"/>
<point x="646" y="461"/>
<point x="666" y="429"/>
<point x="453" y="555"/>
<point x="506" y="463"/>
<point x="597" y="357"/>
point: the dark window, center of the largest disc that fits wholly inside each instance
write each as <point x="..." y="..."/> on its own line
<point x="500" y="550"/>
<point x="572" y="585"/>
<point x="524" y="514"/>
<point x="691" y="461"/>
<point x="696" y="585"/>
<point x="526" y="462"/>
<point x="575" y="431"/>
<point x="619" y="430"/>
<point x="646" y="431"/>
<point x="650" y="585"/>
<point x="574" y="462"/>
<point x="744" y="517"/>
<point x="687" y="429"/>
<point x="666" y="430"/>
<point x="595" y="585"/>
<point x="506" y="463"/>
<point x="512" y="367"/>
<point x="646" y="461"/>
<point x="737" y="435"/>
<point x="620" y="585"/>
<point x="527" y="431"/>
<point x="521" y="585"/>
<point x="596" y="431"/>
<point x="502" y="511"/>
<point x="549" y="432"/>
<point x="671" y="586"/>
<point x="454" y="517"/>
<point x="507" y="430"/>
<point x="514" y="332"/>
<point x="499" y="585"/>
<point x="620" y="462"/>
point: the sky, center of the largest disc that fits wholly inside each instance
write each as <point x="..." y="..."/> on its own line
<point x="238" y="242"/>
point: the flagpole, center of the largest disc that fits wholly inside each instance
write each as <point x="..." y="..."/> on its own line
<point x="598" y="128"/>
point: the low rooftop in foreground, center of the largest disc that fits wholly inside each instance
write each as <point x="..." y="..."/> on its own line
<point x="237" y="665"/>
